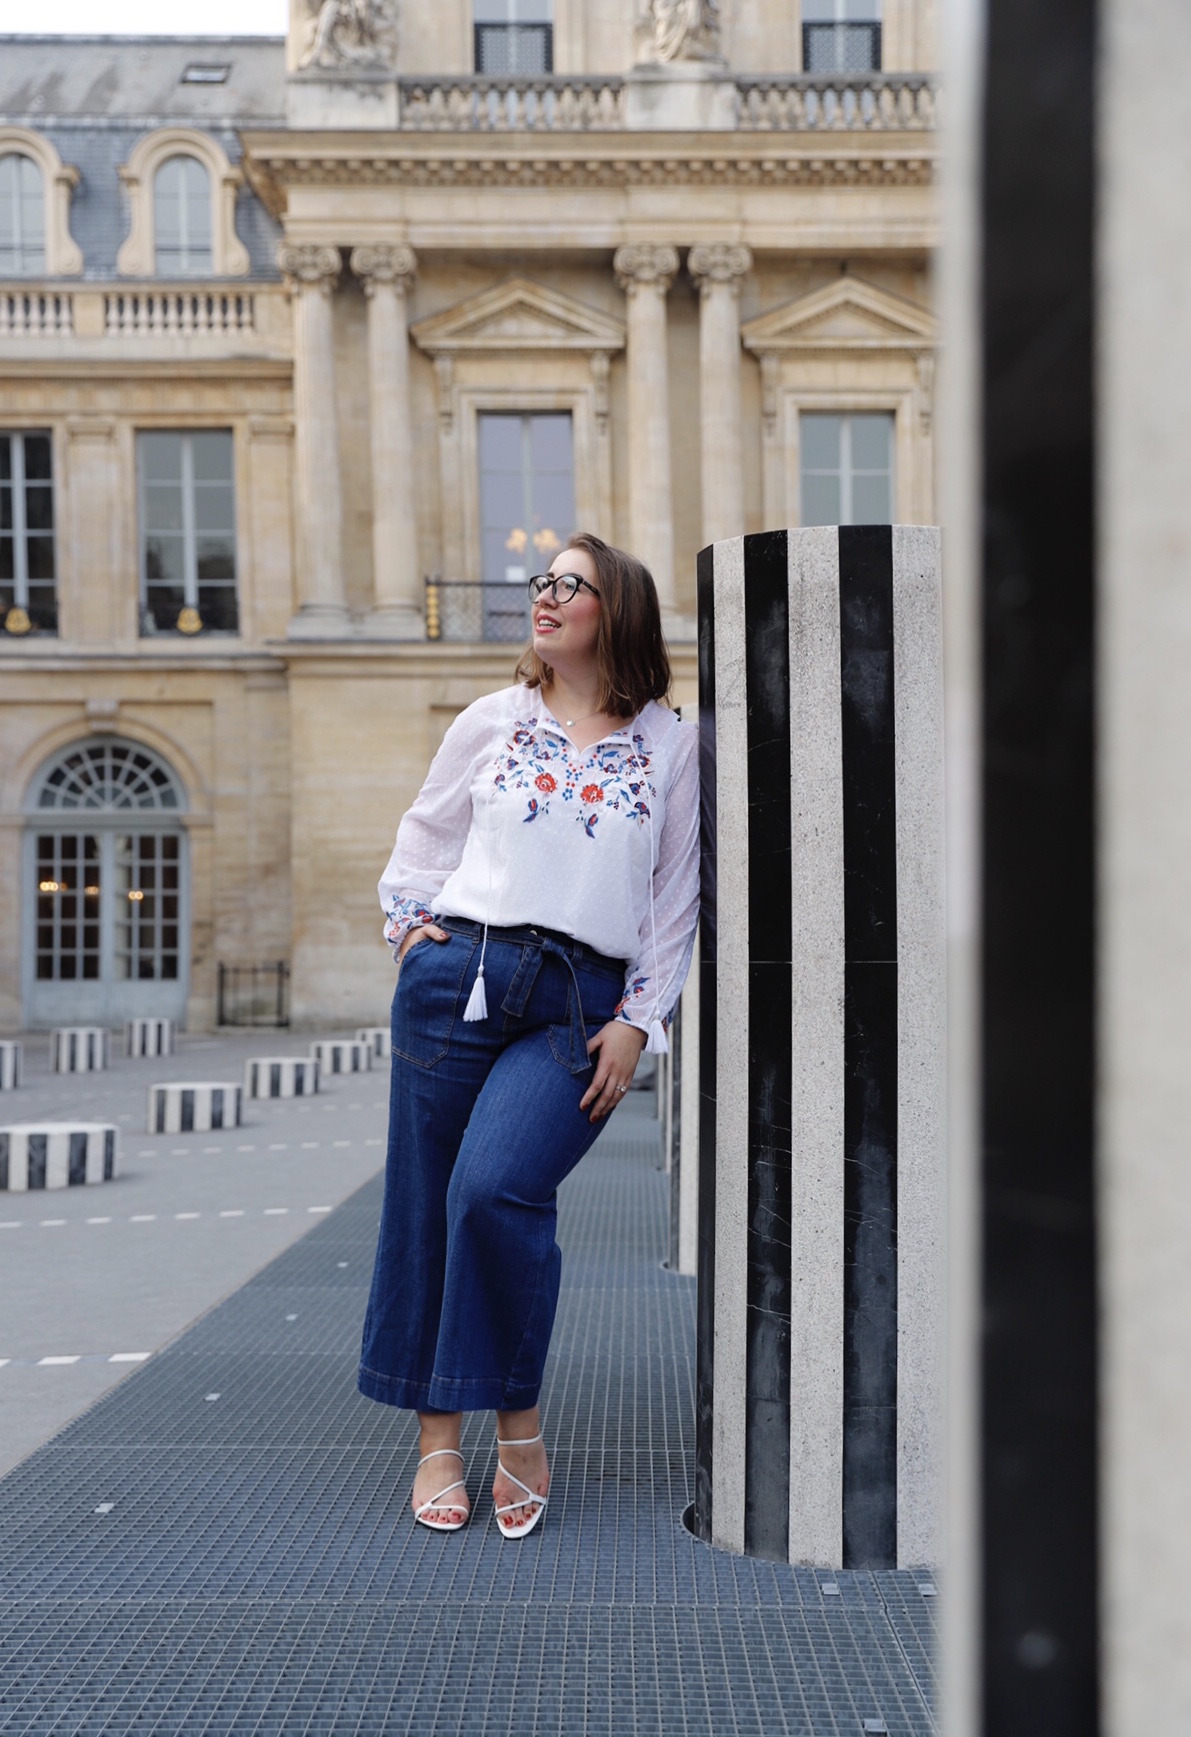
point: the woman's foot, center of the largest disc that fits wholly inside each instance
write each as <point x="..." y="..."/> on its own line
<point x="437" y="1474"/>
<point x="530" y="1466"/>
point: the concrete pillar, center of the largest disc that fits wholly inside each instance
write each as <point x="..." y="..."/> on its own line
<point x="821" y="1047"/>
<point x="718" y="270"/>
<point x="645" y="272"/>
<point x="311" y="273"/>
<point x="387" y="274"/>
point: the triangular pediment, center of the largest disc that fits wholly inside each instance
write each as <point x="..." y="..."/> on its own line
<point x="519" y="315"/>
<point x="847" y="314"/>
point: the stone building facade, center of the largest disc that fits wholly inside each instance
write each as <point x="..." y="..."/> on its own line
<point x="312" y="350"/>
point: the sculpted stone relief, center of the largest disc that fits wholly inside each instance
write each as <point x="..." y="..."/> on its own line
<point x="349" y="35"/>
<point x="674" y="30"/>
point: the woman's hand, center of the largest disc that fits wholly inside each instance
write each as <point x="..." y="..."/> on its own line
<point x="431" y="929"/>
<point x="617" y="1048"/>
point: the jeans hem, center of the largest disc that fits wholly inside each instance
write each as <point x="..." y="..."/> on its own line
<point x="439" y="1394"/>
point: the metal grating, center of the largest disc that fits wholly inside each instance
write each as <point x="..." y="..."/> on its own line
<point x="174" y="1563"/>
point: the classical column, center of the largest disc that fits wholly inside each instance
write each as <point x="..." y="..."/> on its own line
<point x="387" y="274"/>
<point x="311" y="273"/>
<point x="718" y="269"/>
<point x="645" y="273"/>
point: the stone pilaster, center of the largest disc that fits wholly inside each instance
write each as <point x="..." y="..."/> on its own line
<point x="645" y="272"/>
<point x="719" y="269"/>
<point x="311" y="273"/>
<point x="387" y="273"/>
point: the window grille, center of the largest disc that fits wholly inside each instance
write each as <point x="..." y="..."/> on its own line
<point x="847" y="468"/>
<point x="186" y="499"/>
<point x="841" y="36"/>
<point x="28" y="589"/>
<point x="108" y="775"/>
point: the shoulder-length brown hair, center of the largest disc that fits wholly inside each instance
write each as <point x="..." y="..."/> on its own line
<point x="631" y="656"/>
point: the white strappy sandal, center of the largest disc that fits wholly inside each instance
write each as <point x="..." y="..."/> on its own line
<point x="530" y="1495"/>
<point x="437" y="1501"/>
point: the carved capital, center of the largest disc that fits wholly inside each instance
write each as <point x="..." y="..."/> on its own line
<point x="644" y="262"/>
<point x="304" y="265"/>
<point x="716" y="262"/>
<point x="394" y="264"/>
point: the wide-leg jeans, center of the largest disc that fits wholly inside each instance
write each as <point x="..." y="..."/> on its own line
<point x="484" y="1123"/>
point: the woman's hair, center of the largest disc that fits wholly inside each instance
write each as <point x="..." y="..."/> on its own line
<point x="631" y="657"/>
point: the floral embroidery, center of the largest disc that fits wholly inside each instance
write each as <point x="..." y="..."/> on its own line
<point x="539" y="760"/>
<point x="634" y="994"/>
<point x="546" y="783"/>
<point x="534" y="810"/>
<point x="404" y="915"/>
<point x="592" y="793"/>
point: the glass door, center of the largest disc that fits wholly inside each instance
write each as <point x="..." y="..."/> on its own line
<point x="527" y="509"/>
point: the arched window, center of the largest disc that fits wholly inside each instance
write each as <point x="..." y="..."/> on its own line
<point x="107" y="857"/>
<point x="182" y="218"/>
<point x="22" y="216"/>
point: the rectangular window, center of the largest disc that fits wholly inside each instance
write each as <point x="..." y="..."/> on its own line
<point x="841" y="36"/>
<point x="22" y="216"/>
<point x="68" y="887"/>
<point x="514" y="37"/>
<point x="186" y="499"/>
<point x="527" y="508"/>
<point x="28" y="591"/>
<point x="146" y="910"/>
<point x="847" y="468"/>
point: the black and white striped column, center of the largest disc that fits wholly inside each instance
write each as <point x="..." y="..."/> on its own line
<point x="10" y="1064"/>
<point x="341" y="1055"/>
<point x="281" y="1076"/>
<point x="182" y="1107"/>
<point x="821" y="1046"/>
<point x="148" y="1037"/>
<point x="56" y="1155"/>
<point x="79" y="1049"/>
<point x="378" y="1039"/>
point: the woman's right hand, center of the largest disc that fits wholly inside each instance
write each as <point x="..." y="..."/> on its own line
<point x="415" y="935"/>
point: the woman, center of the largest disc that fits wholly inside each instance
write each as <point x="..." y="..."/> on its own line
<point x="542" y="897"/>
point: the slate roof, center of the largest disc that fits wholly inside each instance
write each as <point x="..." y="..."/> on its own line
<point x="95" y="96"/>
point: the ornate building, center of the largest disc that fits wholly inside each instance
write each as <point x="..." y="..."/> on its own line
<point x="313" y="350"/>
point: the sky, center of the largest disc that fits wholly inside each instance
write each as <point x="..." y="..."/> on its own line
<point x="145" y="17"/>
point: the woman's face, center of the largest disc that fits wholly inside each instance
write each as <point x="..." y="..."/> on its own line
<point x="564" y="634"/>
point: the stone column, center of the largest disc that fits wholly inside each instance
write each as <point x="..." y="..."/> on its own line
<point x="387" y="274"/>
<point x="718" y="269"/>
<point x="645" y="272"/>
<point x="311" y="273"/>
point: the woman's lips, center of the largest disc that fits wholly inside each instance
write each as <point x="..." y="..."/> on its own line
<point x="546" y="624"/>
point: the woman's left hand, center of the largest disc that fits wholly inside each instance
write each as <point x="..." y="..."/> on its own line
<point x="617" y="1048"/>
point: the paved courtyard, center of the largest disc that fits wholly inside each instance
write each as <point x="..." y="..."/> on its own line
<point x="204" y="1528"/>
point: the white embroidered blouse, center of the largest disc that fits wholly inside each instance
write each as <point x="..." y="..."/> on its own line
<point x="514" y="825"/>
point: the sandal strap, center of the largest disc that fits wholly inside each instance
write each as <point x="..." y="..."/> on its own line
<point x="526" y="1441"/>
<point x="436" y="1454"/>
<point x="437" y="1501"/>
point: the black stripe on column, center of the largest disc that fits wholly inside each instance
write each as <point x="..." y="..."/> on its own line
<point x="705" y="1305"/>
<point x="870" y="1047"/>
<point x="767" y="1346"/>
<point x="1038" y="1477"/>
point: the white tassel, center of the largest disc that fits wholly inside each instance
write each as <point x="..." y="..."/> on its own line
<point x="659" y="1043"/>
<point x="477" y="1001"/>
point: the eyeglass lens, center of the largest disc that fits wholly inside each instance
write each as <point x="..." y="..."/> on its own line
<point x="564" y="586"/>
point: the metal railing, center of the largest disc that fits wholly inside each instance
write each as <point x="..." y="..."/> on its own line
<point x="253" y="994"/>
<point x="462" y="610"/>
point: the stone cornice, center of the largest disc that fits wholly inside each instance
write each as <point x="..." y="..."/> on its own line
<point x="274" y="162"/>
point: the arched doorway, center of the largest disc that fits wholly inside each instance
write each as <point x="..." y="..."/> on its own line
<point x="106" y="931"/>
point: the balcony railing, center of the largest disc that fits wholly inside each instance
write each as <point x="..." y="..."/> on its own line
<point x="217" y="315"/>
<point x="784" y="102"/>
<point x="460" y="610"/>
<point x="177" y="313"/>
<point x="35" y="313"/>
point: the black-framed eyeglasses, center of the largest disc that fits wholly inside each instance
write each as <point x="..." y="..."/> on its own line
<point x="563" y="586"/>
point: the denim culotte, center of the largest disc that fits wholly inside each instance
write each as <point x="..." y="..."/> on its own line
<point x="484" y="1123"/>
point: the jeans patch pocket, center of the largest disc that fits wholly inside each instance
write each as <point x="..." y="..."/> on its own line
<point x="427" y="999"/>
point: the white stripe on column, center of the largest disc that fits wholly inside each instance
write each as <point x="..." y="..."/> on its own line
<point x="688" y="1117"/>
<point x="921" y="1041"/>
<point x="732" y="1058"/>
<point x="817" y="1040"/>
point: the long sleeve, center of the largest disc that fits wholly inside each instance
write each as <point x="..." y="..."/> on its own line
<point x="433" y="830"/>
<point x="666" y="935"/>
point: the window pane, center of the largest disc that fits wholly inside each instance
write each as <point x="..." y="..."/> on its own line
<point x="163" y="508"/>
<point x="165" y="558"/>
<point x="161" y="456"/>
<point x="500" y="443"/>
<point x="550" y="443"/>
<point x="872" y="438"/>
<point x="5" y="458"/>
<point x="513" y="11"/>
<point x="871" y="503"/>
<point x="22" y="215"/>
<point x="163" y="605"/>
<point x="40" y="552"/>
<point x="37" y="458"/>
<point x="213" y="508"/>
<point x="820" y="441"/>
<point x="820" y="500"/>
<point x="212" y="450"/>
<point x="216" y="558"/>
<point x="218" y="608"/>
<point x="39" y="509"/>
<point x="182" y="216"/>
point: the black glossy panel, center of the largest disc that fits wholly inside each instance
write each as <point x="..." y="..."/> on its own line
<point x="1039" y="1374"/>
<point x="866" y="683"/>
<point x="767" y="1371"/>
<point x="705" y="1302"/>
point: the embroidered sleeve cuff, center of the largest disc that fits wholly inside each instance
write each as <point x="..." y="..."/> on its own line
<point x="402" y="916"/>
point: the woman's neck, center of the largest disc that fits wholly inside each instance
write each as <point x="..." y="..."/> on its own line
<point x="574" y="698"/>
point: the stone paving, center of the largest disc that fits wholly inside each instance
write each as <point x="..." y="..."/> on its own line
<point x="217" y="1539"/>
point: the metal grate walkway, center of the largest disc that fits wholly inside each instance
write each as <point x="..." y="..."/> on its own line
<point x="222" y="1546"/>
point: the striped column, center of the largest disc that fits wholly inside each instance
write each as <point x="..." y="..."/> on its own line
<point x="185" y="1108"/>
<point x="286" y="1076"/>
<point x="379" y="1041"/>
<point x="78" y="1049"/>
<point x="148" y="1037"/>
<point x="10" y="1065"/>
<point x="341" y="1055"/>
<point x="821" y="1046"/>
<point x="56" y="1154"/>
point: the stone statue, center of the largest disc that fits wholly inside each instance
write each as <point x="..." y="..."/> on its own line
<point x="347" y="35"/>
<point x="673" y="30"/>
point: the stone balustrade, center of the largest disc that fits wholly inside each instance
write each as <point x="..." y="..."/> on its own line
<point x="281" y="1076"/>
<point x="178" y="313"/>
<point x="10" y="1064"/>
<point x="56" y="1155"/>
<point x="79" y="1049"/>
<point x="35" y="313"/>
<point x="826" y="102"/>
<point x="186" y="1107"/>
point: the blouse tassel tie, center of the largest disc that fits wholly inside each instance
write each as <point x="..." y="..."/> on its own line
<point x="477" y="1001"/>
